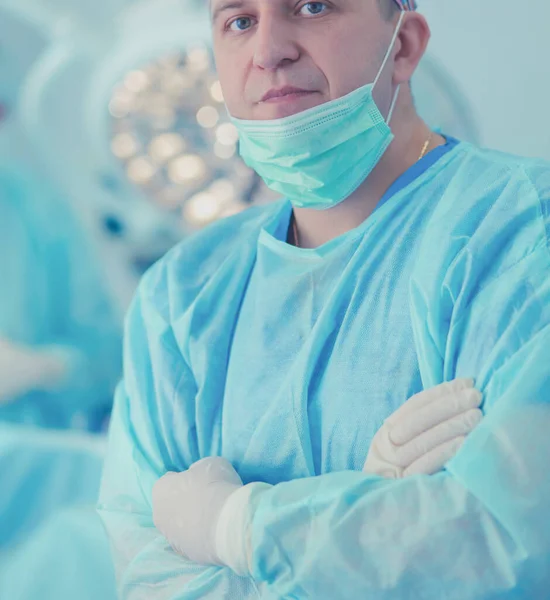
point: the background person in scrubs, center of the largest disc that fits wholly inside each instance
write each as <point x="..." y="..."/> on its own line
<point x="59" y="332"/>
<point x="60" y="358"/>
<point x="59" y="362"/>
<point x="264" y="355"/>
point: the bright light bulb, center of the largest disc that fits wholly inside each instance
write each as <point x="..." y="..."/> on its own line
<point x="207" y="117"/>
<point x="198" y="60"/>
<point x="202" y="208"/>
<point x="216" y="91"/>
<point x="141" y="170"/>
<point x="124" y="146"/>
<point x="122" y="103"/>
<point x="188" y="168"/>
<point x="227" y="134"/>
<point x="137" y="81"/>
<point x="166" y="146"/>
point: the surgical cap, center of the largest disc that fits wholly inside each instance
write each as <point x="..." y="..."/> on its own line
<point x="406" y="4"/>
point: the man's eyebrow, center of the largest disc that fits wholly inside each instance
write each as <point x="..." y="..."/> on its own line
<point x="223" y="6"/>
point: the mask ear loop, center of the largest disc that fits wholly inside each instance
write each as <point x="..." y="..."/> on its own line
<point x="390" y="49"/>
<point x="385" y="61"/>
<point x="394" y="102"/>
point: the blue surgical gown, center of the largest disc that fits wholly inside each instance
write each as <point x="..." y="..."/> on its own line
<point x="286" y="361"/>
<point x="43" y="471"/>
<point x="66" y="558"/>
<point x="53" y="294"/>
<point x="53" y="545"/>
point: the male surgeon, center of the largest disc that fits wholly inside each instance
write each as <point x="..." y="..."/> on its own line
<point x="269" y="355"/>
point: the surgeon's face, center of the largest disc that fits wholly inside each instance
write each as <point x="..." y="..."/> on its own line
<point x="327" y="49"/>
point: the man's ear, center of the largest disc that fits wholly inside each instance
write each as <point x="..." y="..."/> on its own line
<point x="413" y="40"/>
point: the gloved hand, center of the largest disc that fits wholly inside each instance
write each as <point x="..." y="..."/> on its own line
<point x="203" y="512"/>
<point x="24" y="369"/>
<point x="426" y="432"/>
<point x="187" y="507"/>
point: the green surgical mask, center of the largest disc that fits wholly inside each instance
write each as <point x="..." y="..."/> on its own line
<point x="318" y="157"/>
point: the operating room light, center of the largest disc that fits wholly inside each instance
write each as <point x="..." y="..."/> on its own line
<point x="174" y="139"/>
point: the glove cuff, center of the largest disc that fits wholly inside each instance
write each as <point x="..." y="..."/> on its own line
<point x="233" y="530"/>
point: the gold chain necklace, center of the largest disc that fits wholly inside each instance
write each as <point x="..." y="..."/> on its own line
<point x="422" y="155"/>
<point x="426" y="146"/>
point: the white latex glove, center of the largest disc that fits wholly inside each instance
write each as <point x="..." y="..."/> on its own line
<point x="203" y="512"/>
<point x="24" y="369"/>
<point x="426" y="432"/>
<point x="187" y="507"/>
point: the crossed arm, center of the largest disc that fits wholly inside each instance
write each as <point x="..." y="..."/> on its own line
<point x="481" y="529"/>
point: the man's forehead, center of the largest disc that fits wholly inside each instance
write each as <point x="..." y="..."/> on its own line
<point x="218" y="5"/>
<point x="221" y="5"/>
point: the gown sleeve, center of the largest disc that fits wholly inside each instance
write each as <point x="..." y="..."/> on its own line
<point x="155" y="375"/>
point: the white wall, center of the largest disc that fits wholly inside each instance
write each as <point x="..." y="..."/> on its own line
<point x="498" y="53"/>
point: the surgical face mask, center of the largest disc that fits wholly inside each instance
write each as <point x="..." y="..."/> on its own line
<point x="318" y="157"/>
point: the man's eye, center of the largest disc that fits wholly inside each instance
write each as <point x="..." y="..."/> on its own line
<point x="241" y="23"/>
<point x="314" y="8"/>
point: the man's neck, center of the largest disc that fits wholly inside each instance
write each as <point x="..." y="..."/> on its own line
<point x="317" y="227"/>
